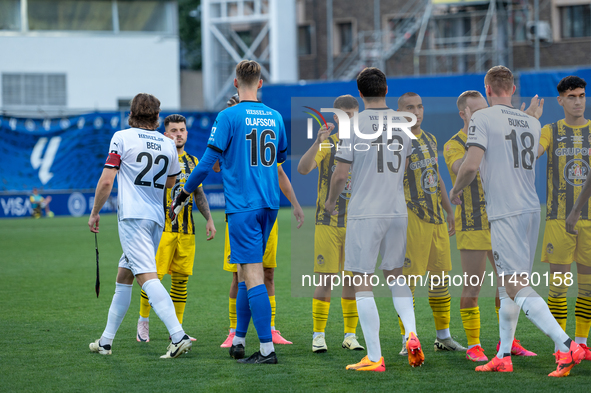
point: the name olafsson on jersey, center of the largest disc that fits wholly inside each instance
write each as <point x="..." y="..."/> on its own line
<point x="259" y="122"/>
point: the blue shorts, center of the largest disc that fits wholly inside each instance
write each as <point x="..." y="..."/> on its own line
<point x="249" y="232"/>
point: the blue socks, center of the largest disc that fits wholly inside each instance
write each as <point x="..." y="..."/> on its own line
<point x="254" y="302"/>
<point x="260" y="307"/>
<point x="242" y="310"/>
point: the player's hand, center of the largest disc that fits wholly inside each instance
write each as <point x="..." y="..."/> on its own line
<point x="216" y="167"/>
<point x="454" y="197"/>
<point x="536" y="107"/>
<point x="210" y="230"/>
<point x="468" y="113"/>
<point x="298" y="213"/>
<point x="177" y="204"/>
<point x="329" y="208"/>
<point x="93" y="223"/>
<point x="571" y="221"/>
<point x="451" y="224"/>
<point x="324" y="132"/>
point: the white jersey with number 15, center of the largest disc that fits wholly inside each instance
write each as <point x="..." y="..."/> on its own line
<point x="510" y="141"/>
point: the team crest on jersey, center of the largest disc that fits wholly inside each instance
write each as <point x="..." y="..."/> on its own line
<point x="406" y="262"/>
<point x="429" y="181"/>
<point x="550" y="248"/>
<point x="320" y="259"/>
<point x="575" y="172"/>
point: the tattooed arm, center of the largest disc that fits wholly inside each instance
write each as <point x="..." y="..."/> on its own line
<point x="203" y="206"/>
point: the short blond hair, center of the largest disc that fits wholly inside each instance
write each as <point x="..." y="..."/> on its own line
<point x="500" y="79"/>
<point x="463" y="98"/>
<point x="248" y="72"/>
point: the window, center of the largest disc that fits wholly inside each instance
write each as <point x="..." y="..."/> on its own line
<point x="10" y="15"/>
<point x="137" y="15"/>
<point x="34" y="89"/>
<point x="576" y="21"/>
<point x="304" y="40"/>
<point x="67" y="15"/>
<point x="344" y="35"/>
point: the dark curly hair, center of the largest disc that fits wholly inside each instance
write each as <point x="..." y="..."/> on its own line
<point x="570" y="82"/>
<point x="145" y="109"/>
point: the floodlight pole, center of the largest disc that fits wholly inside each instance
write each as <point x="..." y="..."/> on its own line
<point x="329" y="59"/>
<point x="537" y="37"/>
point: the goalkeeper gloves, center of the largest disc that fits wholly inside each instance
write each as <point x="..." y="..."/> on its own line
<point x="179" y="202"/>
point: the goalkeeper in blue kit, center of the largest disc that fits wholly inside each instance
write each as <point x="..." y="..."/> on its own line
<point x="250" y="138"/>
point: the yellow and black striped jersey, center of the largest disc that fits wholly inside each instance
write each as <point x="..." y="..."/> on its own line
<point x="184" y="223"/>
<point x="568" y="166"/>
<point x="471" y="214"/>
<point x="326" y="166"/>
<point x="421" y="180"/>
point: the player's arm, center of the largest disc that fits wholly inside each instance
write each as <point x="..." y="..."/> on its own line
<point x="466" y="173"/>
<point x="536" y="107"/>
<point x="197" y="176"/>
<point x="451" y="221"/>
<point x="203" y="206"/>
<point x="575" y="213"/>
<point x="545" y="139"/>
<point x="455" y="167"/>
<point x="170" y="181"/>
<point x="308" y="161"/>
<point x="337" y="184"/>
<point x="102" y="193"/>
<point x="287" y="190"/>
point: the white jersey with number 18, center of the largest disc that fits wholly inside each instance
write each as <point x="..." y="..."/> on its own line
<point x="378" y="166"/>
<point x="510" y="141"/>
<point x="145" y="159"/>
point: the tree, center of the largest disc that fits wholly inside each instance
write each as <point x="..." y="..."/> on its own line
<point x="190" y="33"/>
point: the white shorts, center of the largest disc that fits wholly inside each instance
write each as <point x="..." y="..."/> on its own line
<point x="367" y="237"/>
<point x="139" y="240"/>
<point x="514" y="240"/>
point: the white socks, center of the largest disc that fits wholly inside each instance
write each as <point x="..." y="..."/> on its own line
<point x="162" y="305"/>
<point x="402" y="298"/>
<point x="537" y="311"/>
<point x="370" y="323"/>
<point x="581" y="340"/>
<point x="239" y="340"/>
<point x="117" y="311"/>
<point x="508" y="317"/>
<point x="442" y="334"/>
<point x="267" y="348"/>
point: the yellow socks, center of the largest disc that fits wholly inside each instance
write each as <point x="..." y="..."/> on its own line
<point x="471" y="321"/>
<point x="440" y="302"/>
<point x="557" y="299"/>
<point x="320" y="314"/>
<point x="178" y="294"/>
<point x="350" y="315"/>
<point x="273" y="308"/>
<point x="144" y="305"/>
<point x="583" y="306"/>
<point x="233" y="318"/>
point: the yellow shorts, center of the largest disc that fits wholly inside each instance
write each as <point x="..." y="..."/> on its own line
<point x="427" y="247"/>
<point x="176" y="253"/>
<point x="474" y="240"/>
<point x="562" y="248"/>
<point x="269" y="259"/>
<point x="329" y="249"/>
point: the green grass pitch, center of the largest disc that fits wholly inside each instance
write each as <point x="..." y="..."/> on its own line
<point x="49" y="314"/>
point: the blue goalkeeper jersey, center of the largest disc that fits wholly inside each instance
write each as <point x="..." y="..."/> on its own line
<point x="251" y="138"/>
